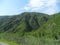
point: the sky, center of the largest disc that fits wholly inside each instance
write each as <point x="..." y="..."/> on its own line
<point x="14" y="7"/>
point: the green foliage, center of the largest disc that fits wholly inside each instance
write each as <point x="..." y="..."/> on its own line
<point x="31" y="28"/>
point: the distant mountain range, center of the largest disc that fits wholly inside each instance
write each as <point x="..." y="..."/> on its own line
<point x="28" y="25"/>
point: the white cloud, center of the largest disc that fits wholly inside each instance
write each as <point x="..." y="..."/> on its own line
<point x="50" y="2"/>
<point x="50" y="11"/>
<point x="32" y="4"/>
<point x="46" y="5"/>
<point x="35" y="3"/>
<point x="26" y="7"/>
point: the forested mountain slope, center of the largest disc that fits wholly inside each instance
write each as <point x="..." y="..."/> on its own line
<point x="51" y="29"/>
<point x="31" y="28"/>
<point x="27" y="22"/>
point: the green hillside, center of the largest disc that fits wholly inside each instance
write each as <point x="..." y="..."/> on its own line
<point x="15" y="27"/>
<point x="24" y="22"/>
<point x="52" y="27"/>
<point x="31" y="28"/>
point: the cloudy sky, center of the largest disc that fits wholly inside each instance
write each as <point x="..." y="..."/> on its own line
<point x="11" y="7"/>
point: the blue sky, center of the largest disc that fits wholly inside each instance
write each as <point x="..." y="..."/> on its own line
<point x="13" y="7"/>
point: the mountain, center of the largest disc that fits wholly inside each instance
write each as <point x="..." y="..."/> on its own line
<point x="15" y="27"/>
<point x="51" y="29"/>
<point x="48" y="33"/>
<point x="31" y="28"/>
<point x="27" y="22"/>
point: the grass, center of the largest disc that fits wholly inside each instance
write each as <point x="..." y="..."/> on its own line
<point x="8" y="42"/>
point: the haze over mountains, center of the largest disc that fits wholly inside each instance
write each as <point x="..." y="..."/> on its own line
<point x="31" y="28"/>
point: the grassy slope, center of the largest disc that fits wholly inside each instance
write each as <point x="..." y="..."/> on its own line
<point x="50" y="29"/>
<point x="18" y="26"/>
<point x="47" y="34"/>
<point x="24" y="22"/>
